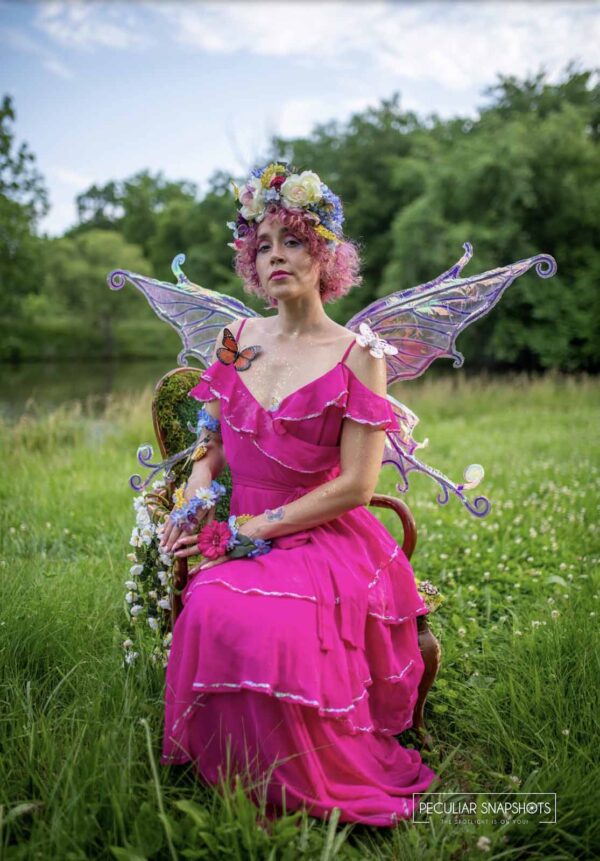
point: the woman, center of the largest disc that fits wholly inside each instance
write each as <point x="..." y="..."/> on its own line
<point x="303" y="659"/>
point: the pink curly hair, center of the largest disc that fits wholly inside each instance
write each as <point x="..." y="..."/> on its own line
<point x="339" y="266"/>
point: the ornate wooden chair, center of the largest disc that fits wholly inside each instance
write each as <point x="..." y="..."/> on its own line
<point x="172" y="410"/>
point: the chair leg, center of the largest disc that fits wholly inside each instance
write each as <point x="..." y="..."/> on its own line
<point x="431" y="652"/>
<point x="180" y="580"/>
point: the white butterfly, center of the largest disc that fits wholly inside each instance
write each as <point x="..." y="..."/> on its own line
<point x="377" y="346"/>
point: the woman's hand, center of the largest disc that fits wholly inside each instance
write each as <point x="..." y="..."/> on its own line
<point x="187" y="545"/>
<point x="169" y="532"/>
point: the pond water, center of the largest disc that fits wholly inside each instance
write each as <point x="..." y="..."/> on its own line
<point x="45" y="386"/>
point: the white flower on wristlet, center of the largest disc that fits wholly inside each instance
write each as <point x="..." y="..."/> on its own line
<point x="377" y="346"/>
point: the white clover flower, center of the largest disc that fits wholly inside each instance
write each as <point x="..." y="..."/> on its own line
<point x="127" y="644"/>
<point x="136" y="570"/>
<point x="164" y="604"/>
<point x="130" y="657"/>
<point x="131" y="584"/>
<point x="132" y="557"/>
<point x="555" y="614"/>
<point x="153" y="622"/>
<point x="167" y="639"/>
<point x="461" y="632"/>
<point x="136" y="610"/>
<point x="130" y="597"/>
<point x="484" y="843"/>
<point x="566" y="731"/>
<point x="165" y="559"/>
<point x="163" y="577"/>
<point x="152" y="594"/>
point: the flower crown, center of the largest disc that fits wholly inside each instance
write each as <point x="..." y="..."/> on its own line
<point x="277" y="183"/>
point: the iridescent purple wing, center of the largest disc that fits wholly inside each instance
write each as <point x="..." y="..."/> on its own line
<point x="196" y="314"/>
<point x="423" y="322"/>
<point x="400" y="447"/>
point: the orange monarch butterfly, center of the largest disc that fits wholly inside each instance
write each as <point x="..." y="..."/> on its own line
<point x="229" y="354"/>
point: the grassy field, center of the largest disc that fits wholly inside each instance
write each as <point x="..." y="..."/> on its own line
<point x="515" y="707"/>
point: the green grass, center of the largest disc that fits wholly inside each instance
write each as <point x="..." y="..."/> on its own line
<point x="515" y="706"/>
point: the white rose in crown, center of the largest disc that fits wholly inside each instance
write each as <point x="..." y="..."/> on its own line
<point x="252" y="198"/>
<point x="301" y="189"/>
<point x="377" y="346"/>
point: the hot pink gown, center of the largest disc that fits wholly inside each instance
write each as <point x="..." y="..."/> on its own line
<point x="307" y="656"/>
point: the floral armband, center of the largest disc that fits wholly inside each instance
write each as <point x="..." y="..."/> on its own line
<point x="184" y="512"/>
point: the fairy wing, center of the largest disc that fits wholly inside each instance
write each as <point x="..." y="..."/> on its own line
<point x="423" y="322"/>
<point x="196" y="314"/>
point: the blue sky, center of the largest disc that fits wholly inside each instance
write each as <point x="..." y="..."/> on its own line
<point x="104" y="89"/>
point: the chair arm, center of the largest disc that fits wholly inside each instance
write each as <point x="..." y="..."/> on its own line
<point x="380" y="500"/>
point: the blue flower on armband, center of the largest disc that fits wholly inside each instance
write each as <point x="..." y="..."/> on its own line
<point x="261" y="546"/>
<point x="234" y="529"/>
<point x="206" y="421"/>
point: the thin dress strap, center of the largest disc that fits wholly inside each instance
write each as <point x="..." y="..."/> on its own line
<point x="348" y="348"/>
<point x="239" y="331"/>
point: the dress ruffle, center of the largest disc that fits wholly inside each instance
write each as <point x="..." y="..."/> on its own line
<point x="337" y="389"/>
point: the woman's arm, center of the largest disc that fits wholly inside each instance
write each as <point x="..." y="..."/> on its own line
<point x="361" y="452"/>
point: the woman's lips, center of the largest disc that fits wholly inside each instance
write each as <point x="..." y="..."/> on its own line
<point x="277" y="276"/>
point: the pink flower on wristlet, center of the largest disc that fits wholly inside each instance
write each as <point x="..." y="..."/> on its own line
<point x="213" y="539"/>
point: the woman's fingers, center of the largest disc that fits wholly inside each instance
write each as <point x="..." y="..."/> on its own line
<point x="212" y="562"/>
<point x="186" y="545"/>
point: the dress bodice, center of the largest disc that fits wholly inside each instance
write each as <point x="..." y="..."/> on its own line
<point x="296" y="445"/>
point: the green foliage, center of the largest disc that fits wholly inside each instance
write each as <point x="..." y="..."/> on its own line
<point x="522" y="177"/>
<point x="23" y="200"/>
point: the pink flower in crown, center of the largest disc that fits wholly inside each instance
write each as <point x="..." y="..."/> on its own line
<point x="277" y="181"/>
<point x="213" y="539"/>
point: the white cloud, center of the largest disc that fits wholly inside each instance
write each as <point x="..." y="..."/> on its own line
<point x="298" y="116"/>
<point x="89" y="25"/>
<point x="57" y="67"/>
<point x="20" y="41"/>
<point x="275" y="29"/>
<point x="71" y="178"/>
<point x="457" y="46"/>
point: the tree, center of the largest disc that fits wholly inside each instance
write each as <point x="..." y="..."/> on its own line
<point x="23" y="201"/>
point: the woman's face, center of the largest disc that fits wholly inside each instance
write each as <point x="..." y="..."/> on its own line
<point x="284" y="266"/>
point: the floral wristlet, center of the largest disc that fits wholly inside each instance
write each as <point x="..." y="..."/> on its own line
<point x="219" y="538"/>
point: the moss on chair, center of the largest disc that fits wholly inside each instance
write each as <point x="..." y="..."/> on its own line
<point x="172" y="411"/>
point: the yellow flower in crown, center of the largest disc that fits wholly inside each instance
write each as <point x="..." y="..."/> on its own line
<point x="271" y="172"/>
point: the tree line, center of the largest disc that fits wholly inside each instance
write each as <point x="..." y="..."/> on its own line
<point x="520" y="178"/>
